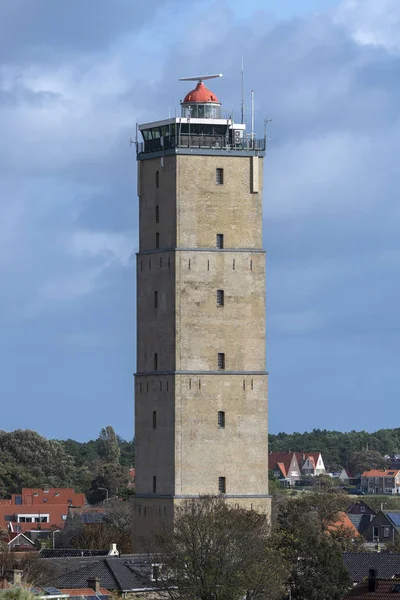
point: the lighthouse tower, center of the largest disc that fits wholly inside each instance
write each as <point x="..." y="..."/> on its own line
<point x="201" y="424"/>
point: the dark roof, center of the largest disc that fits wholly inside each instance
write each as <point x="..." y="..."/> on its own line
<point x="361" y="522"/>
<point x="64" y="552"/>
<point x="359" y="563"/>
<point x="121" y="574"/>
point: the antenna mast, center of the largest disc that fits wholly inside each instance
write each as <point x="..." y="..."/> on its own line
<point x="242" y="103"/>
<point x="252" y="115"/>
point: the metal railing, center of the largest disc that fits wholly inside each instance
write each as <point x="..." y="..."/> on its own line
<point x="201" y="142"/>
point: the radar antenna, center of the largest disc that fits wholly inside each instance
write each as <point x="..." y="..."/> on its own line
<point x="200" y="77"/>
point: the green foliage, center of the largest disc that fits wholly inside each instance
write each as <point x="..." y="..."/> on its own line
<point x="29" y="460"/>
<point x="304" y="528"/>
<point x="336" y="446"/>
<point x="17" y="593"/>
<point x="220" y="552"/>
<point x="364" y="460"/>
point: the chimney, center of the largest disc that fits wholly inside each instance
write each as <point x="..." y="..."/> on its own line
<point x="16" y="576"/>
<point x="372" y="582"/>
<point x="113" y="550"/>
<point x="94" y="584"/>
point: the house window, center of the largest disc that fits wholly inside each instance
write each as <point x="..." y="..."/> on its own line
<point x="157" y="179"/>
<point x="375" y="532"/>
<point x="220" y="240"/>
<point x="157" y="240"/>
<point x="156" y="362"/>
<point x="155" y="572"/>
<point x="362" y="508"/>
<point x="386" y="532"/>
<point x="18" y="499"/>
<point x="221" y="361"/>
<point x="221" y="419"/>
<point x="154" y="419"/>
<point x="155" y="299"/>
<point x="221" y="485"/>
<point x="157" y="214"/>
<point x="219" y="176"/>
<point x="154" y="484"/>
<point x="220" y="297"/>
<point x="251" y="265"/>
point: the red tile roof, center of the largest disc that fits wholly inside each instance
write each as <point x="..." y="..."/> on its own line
<point x="344" y="522"/>
<point x="280" y="459"/>
<point x="384" y="590"/>
<point x="381" y="473"/>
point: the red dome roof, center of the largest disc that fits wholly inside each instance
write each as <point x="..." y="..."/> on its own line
<point x="201" y="94"/>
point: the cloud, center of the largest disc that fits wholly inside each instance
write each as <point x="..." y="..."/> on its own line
<point x="371" y="22"/>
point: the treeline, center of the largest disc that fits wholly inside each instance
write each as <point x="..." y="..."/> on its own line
<point x="337" y="447"/>
<point x="28" y="459"/>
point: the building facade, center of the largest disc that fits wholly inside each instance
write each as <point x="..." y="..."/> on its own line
<point x="380" y="482"/>
<point x="201" y="424"/>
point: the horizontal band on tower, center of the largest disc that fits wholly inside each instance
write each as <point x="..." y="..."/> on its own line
<point x="188" y="496"/>
<point x="183" y="249"/>
<point x="241" y="373"/>
<point x="200" y="152"/>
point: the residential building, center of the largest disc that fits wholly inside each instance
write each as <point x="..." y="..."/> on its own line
<point x="360" y="514"/>
<point x="38" y="510"/>
<point x="358" y="564"/>
<point x="374" y="587"/>
<point x="381" y="482"/>
<point x="311" y="463"/>
<point x="130" y="575"/>
<point x="201" y="380"/>
<point x="384" y="527"/>
<point x="284" y="466"/>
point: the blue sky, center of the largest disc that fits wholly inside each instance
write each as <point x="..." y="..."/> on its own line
<point x="75" y="77"/>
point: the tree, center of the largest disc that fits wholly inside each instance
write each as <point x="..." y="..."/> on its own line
<point x="108" y="446"/>
<point x="220" y="552"/>
<point x="17" y="593"/>
<point x="115" y="528"/>
<point x="304" y="527"/>
<point x="109" y="476"/>
<point x="365" y="460"/>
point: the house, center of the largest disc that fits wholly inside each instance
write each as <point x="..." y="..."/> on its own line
<point x="310" y="463"/>
<point x="19" y="542"/>
<point x="374" y="588"/>
<point x="284" y="466"/>
<point x="129" y="575"/>
<point x="380" y="482"/>
<point x="358" y="564"/>
<point x="38" y="512"/>
<point x="360" y="514"/>
<point x="385" y="527"/>
<point x="343" y="523"/>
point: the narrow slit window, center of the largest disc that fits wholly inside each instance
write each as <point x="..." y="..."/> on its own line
<point x="141" y="265"/>
<point x="157" y="240"/>
<point x="169" y="262"/>
<point x="208" y="265"/>
<point x="244" y="384"/>
<point x="160" y="386"/>
<point x="190" y="384"/>
<point x="157" y="179"/>
<point x="157" y="214"/>
<point x="251" y="265"/>
<point x="167" y="386"/>
<point x="154" y="419"/>
<point x="189" y="264"/>
<point x="221" y="419"/>
<point x="155" y="361"/>
<point x="252" y="384"/>
<point x="155" y="299"/>
<point x="199" y="384"/>
<point x="147" y="386"/>
<point x="233" y="264"/>
<point x="140" y="387"/>
<point x="221" y="361"/>
<point x="220" y="240"/>
<point x="149" y="264"/>
<point x="220" y="297"/>
<point x="222" y="485"/>
<point x="219" y="176"/>
<point x="154" y="484"/>
<point x="160" y="262"/>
